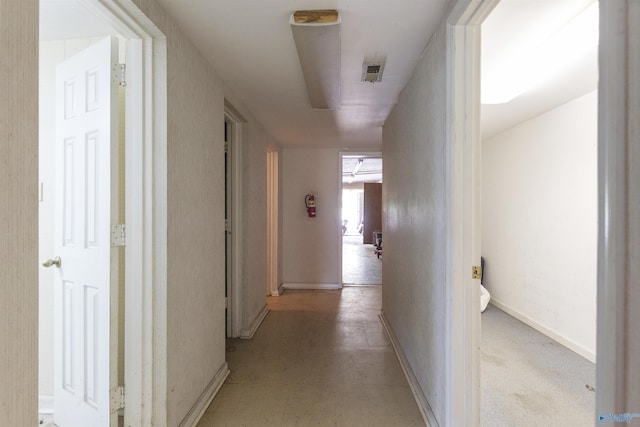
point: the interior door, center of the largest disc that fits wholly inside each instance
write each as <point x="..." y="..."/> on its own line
<point x="85" y="295"/>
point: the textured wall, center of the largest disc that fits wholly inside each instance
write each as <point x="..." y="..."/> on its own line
<point x="19" y="213"/>
<point x="414" y="222"/>
<point x="196" y="252"/>
<point x="195" y="235"/>
<point x="539" y="220"/>
<point x="310" y="245"/>
<point x="254" y="222"/>
<point x="195" y="217"/>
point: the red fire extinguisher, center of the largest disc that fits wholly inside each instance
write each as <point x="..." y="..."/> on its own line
<point x="310" y="202"/>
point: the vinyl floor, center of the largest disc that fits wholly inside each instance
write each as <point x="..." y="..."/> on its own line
<point x="320" y="358"/>
<point x="360" y="265"/>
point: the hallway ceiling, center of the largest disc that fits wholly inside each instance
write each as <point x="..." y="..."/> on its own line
<point x="249" y="43"/>
<point x="528" y="23"/>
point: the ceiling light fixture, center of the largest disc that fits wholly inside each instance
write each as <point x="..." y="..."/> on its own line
<point x="317" y="37"/>
<point x="531" y="68"/>
<point x="356" y="168"/>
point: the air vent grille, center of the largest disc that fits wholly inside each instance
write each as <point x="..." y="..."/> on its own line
<point x="372" y="71"/>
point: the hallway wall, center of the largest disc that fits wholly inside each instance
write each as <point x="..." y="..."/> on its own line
<point x="414" y="223"/>
<point x="539" y="222"/>
<point x="254" y="222"/>
<point x="19" y="213"/>
<point x="195" y="218"/>
<point x="195" y="340"/>
<point x="310" y="245"/>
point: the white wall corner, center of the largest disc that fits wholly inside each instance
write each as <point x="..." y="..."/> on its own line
<point x="571" y="345"/>
<point x="247" y="333"/>
<point x="203" y="402"/>
<point x="423" y="404"/>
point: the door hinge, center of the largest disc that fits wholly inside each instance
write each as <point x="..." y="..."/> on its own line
<point x="476" y="272"/>
<point x="226" y="302"/>
<point x="117" y="398"/>
<point x="120" y="75"/>
<point x="226" y="147"/>
<point x="227" y="225"/>
<point x="118" y="235"/>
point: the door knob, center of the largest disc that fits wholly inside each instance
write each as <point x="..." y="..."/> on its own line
<point x="49" y="262"/>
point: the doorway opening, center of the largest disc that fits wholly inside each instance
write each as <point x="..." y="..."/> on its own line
<point x="538" y="221"/>
<point x="361" y="217"/>
<point x="274" y="287"/>
<point x="74" y="33"/>
<point x="233" y="131"/>
<point x="228" y="135"/>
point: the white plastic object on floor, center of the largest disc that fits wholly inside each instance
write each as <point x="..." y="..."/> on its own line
<point x="484" y="298"/>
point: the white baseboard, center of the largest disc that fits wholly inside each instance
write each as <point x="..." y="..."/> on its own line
<point x="575" y="347"/>
<point x="421" y="400"/>
<point x="45" y="404"/>
<point x="247" y="333"/>
<point x="318" y="286"/>
<point x="203" y="402"/>
<point x="279" y="291"/>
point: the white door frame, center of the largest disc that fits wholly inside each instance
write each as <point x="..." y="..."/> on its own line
<point x="273" y="287"/>
<point x="235" y="296"/>
<point x="146" y="221"/>
<point x="463" y="164"/>
<point x="617" y="370"/>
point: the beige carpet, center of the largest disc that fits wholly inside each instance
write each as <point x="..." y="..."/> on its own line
<point x="529" y="379"/>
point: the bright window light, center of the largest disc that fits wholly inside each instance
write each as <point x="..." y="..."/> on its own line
<point x="532" y="68"/>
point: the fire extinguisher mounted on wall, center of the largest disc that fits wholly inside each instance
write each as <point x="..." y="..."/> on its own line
<point x="310" y="203"/>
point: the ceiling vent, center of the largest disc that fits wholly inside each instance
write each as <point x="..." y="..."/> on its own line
<point x="372" y="71"/>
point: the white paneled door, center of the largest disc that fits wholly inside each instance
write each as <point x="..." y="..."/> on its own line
<point x="85" y="295"/>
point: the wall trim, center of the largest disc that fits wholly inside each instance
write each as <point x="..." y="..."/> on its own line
<point x="45" y="404"/>
<point x="571" y="345"/>
<point x="421" y="400"/>
<point x="278" y="291"/>
<point x="247" y="333"/>
<point x="202" y="403"/>
<point x="311" y="286"/>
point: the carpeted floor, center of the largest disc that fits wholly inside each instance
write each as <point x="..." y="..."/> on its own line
<point x="531" y="380"/>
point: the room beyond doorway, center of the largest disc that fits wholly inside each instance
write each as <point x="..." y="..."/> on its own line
<point x="361" y="215"/>
<point x="360" y="264"/>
